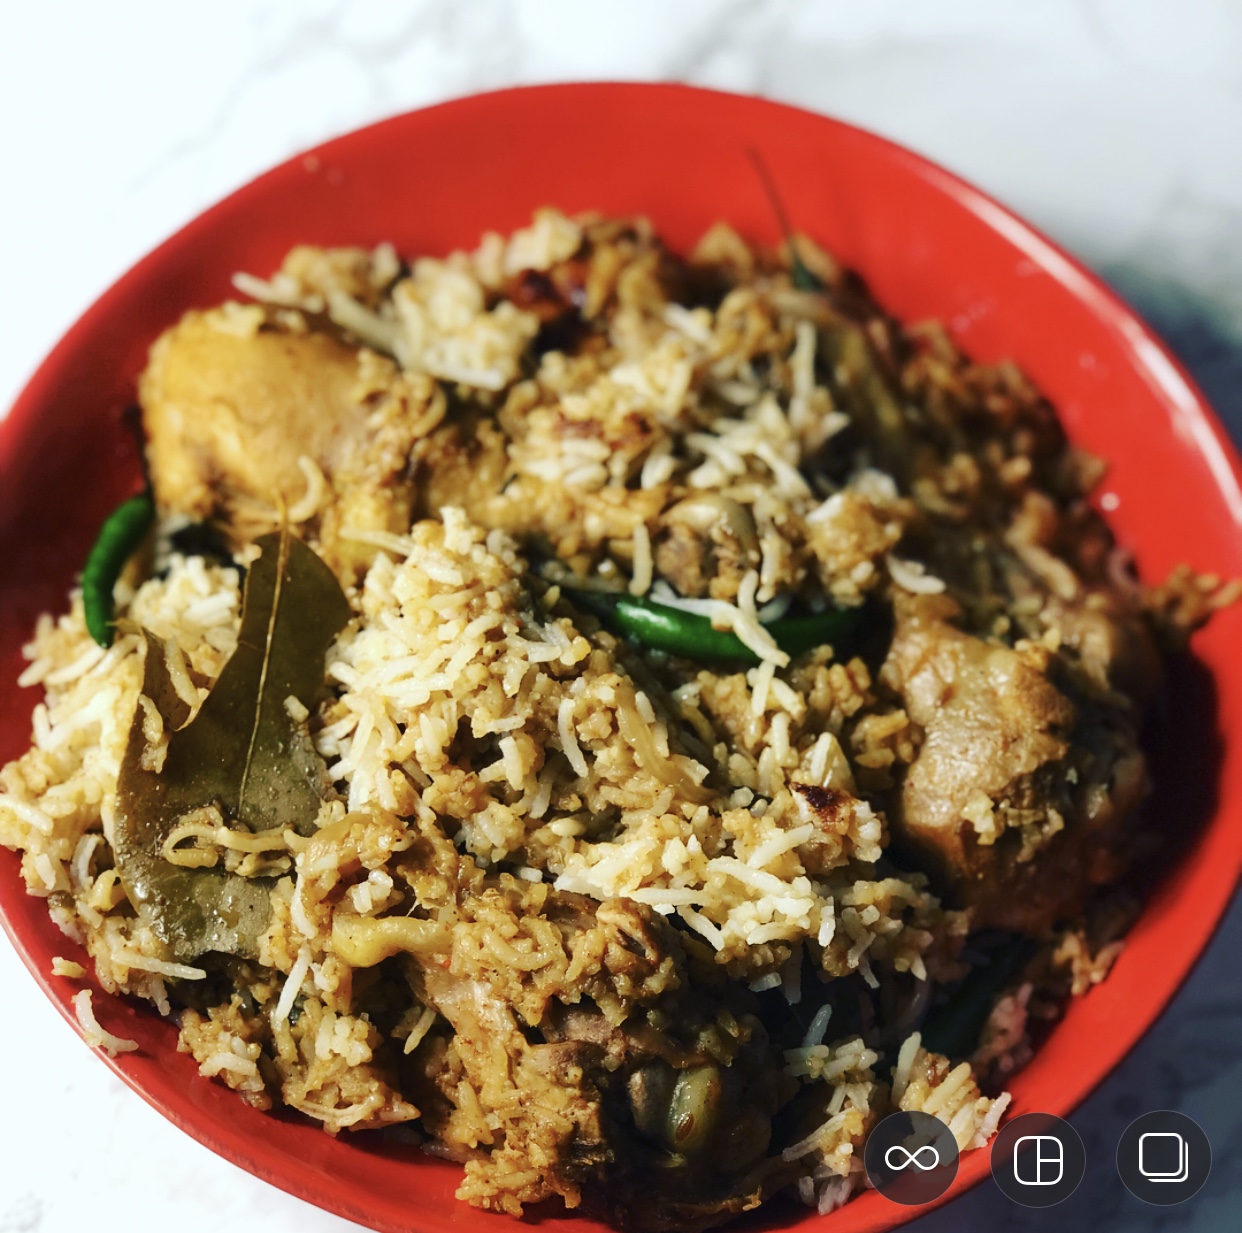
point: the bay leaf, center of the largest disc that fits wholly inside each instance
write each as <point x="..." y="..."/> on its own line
<point x="242" y="753"/>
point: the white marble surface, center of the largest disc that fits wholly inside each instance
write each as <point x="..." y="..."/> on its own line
<point x="1114" y="124"/>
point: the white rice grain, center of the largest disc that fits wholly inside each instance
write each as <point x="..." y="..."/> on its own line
<point x="97" y="1036"/>
<point x="227" y="1061"/>
<point x="79" y="667"/>
<point x="905" y="1060"/>
<point x="79" y="866"/>
<point x="780" y="843"/>
<point x="148" y="963"/>
<point x="702" y="926"/>
<point x="292" y="987"/>
<point x="913" y="577"/>
<point x="420" y="1029"/>
<point x="32" y="815"/>
<point x="569" y="741"/>
<point x="640" y="582"/>
<point x="308" y="505"/>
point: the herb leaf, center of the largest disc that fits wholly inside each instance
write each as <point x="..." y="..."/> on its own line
<point x="269" y="774"/>
<point x="242" y="753"/>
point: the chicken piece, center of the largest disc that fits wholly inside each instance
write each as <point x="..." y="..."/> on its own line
<point x="542" y="1107"/>
<point x="1017" y="793"/>
<point x="596" y="1070"/>
<point x="706" y="545"/>
<point x="1115" y="647"/>
<point x="245" y="420"/>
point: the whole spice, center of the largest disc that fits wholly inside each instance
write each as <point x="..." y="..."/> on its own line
<point x="243" y="755"/>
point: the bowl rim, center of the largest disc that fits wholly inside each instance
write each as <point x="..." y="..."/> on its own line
<point x="1150" y="356"/>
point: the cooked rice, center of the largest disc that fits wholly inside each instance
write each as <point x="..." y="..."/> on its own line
<point x="476" y="726"/>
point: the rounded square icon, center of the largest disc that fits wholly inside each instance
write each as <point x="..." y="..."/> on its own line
<point x="1163" y="1156"/>
<point x="1043" y="1163"/>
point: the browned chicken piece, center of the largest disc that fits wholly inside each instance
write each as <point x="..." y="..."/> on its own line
<point x="1018" y="793"/>
<point x="540" y="1100"/>
<point x="705" y="546"/>
<point x="1115" y="648"/>
<point x="607" y="1077"/>
<point x="245" y="420"/>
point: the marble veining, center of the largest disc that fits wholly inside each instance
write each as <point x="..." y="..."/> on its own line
<point x="1113" y="124"/>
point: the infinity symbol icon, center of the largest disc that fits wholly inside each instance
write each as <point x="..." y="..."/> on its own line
<point x="894" y="1158"/>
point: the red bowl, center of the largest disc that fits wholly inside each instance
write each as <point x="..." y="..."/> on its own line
<point x="930" y="246"/>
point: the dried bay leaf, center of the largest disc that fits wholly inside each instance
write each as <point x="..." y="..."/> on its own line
<point x="263" y="768"/>
<point x="191" y="910"/>
<point x="242" y="753"/>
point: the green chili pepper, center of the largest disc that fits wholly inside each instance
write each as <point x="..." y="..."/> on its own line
<point x="120" y="534"/>
<point x="954" y="1029"/>
<point x="665" y="628"/>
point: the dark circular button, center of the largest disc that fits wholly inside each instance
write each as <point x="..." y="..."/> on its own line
<point x="1038" y="1160"/>
<point x="1164" y="1157"/>
<point x="911" y="1158"/>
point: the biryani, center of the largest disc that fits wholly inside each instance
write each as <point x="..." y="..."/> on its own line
<point x="631" y="720"/>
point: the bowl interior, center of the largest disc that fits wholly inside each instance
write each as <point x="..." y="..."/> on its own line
<point x="929" y="245"/>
